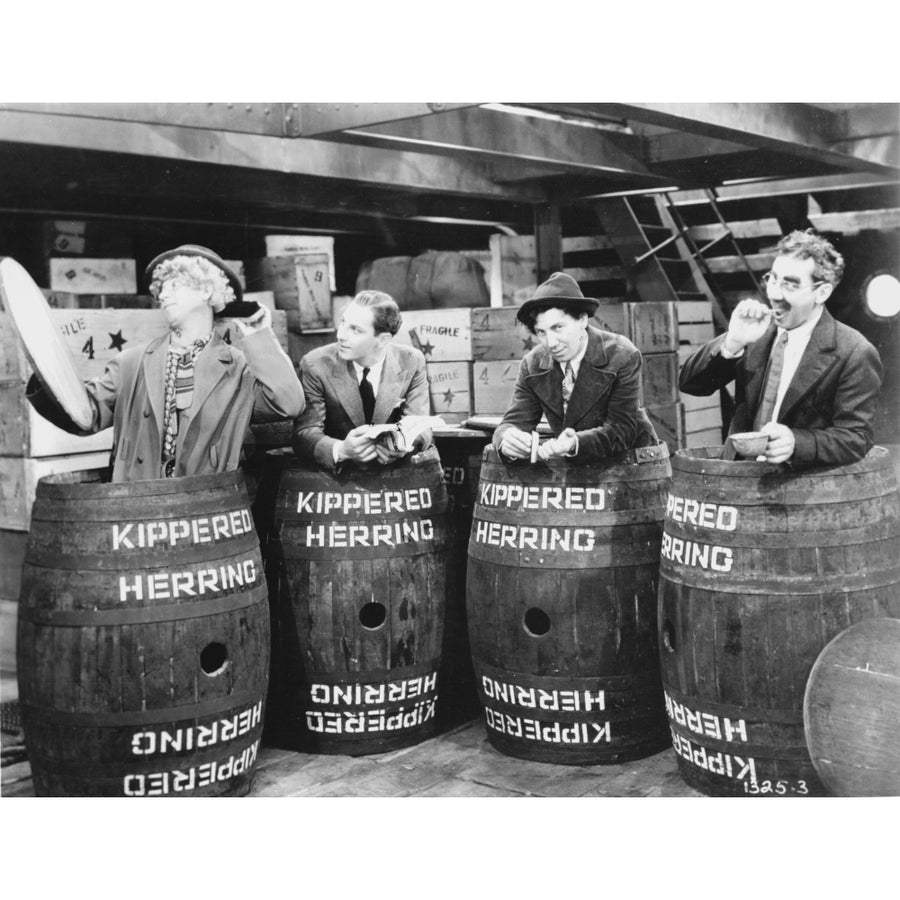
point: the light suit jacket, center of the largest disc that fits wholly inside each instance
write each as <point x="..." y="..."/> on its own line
<point x="603" y="409"/>
<point x="333" y="404"/>
<point x="830" y="404"/>
<point x="231" y="387"/>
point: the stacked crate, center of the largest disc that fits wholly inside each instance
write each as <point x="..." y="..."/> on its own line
<point x="702" y="415"/>
<point x="299" y="272"/>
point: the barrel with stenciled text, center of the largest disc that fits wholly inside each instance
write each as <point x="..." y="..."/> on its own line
<point x="143" y="637"/>
<point x="561" y="600"/>
<point x="761" y="566"/>
<point x="357" y="563"/>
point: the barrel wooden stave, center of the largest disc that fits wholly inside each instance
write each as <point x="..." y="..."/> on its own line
<point x="96" y="668"/>
<point x="318" y="595"/>
<point x="811" y="554"/>
<point x="601" y="607"/>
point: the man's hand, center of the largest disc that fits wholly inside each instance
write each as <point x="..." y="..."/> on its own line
<point x="748" y="323"/>
<point x="781" y="443"/>
<point x="357" y="446"/>
<point x="516" y="444"/>
<point x="386" y="449"/>
<point x="259" y="320"/>
<point x="558" y="446"/>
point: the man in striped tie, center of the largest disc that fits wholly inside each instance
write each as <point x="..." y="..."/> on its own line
<point x="809" y="382"/>
<point x="585" y="380"/>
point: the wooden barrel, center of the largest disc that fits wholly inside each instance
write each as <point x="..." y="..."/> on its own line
<point x="143" y="637"/>
<point x="561" y="599"/>
<point x="761" y="567"/>
<point x="851" y="711"/>
<point x="460" y="451"/>
<point x="358" y="564"/>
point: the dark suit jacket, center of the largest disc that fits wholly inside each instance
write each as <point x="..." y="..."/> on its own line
<point x="604" y="407"/>
<point x="830" y="404"/>
<point x="333" y="404"/>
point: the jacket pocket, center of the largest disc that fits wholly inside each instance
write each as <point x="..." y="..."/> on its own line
<point x="214" y="456"/>
<point x="123" y="448"/>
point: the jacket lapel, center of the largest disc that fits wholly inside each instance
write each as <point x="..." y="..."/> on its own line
<point x="756" y="363"/>
<point x="547" y="384"/>
<point x="154" y="368"/>
<point x="346" y="388"/>
<point x="592" y="383"/>
<point x="817" y="359"/>
<point x="389" y="388"/>
<point x="209" y="369"/>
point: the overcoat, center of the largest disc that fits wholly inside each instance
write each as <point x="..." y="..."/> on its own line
<point x="830" y="404"/>
<point x="232" y="386"/>
<point x="603" y="409"/>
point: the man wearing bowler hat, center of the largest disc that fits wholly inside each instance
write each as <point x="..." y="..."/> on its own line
<point x="585" y="380"/>
<point x="180" y="404"/>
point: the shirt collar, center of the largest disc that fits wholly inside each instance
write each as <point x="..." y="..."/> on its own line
<point x="374" y="371"/>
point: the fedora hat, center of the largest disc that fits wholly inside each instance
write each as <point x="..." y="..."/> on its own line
<point x="204" y="253"/>
<point x="560" y="291"/>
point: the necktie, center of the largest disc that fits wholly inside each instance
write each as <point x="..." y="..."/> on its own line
<point x="568" y="385"/>
<point x="773" y="379"/>
<point x="368" y="396"/>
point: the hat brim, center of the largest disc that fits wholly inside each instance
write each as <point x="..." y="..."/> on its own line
<point x="575" y="305"/>
<point x="208" y="255"/>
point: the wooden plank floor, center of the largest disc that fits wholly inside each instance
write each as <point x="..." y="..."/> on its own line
<point x="459" y="763"/>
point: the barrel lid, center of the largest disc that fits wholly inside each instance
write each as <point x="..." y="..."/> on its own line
<point x="851" y="710"/>
<point x="49" y="356"/>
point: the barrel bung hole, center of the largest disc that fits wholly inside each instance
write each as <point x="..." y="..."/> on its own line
<point x="536" y="621"/>
<point x="668" y="635"/>
<point x="214" y="659"/>
<point x="372" y="615"/>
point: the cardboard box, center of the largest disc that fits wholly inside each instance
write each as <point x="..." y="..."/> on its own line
<point x="450" y="390"/>
<point x="498" y="335"/>
<point x="93" y="276"/>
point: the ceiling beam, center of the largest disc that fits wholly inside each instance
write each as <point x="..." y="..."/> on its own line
<point x="491" y="134"/>
<point x="796" y="128"/>
<point x="784" y="186"/>
<point x="410" y="172"/>
<point x="320" y="119"/>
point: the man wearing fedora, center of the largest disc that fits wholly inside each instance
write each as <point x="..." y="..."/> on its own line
<point x="181" y="403"/>
<point x="585" y="380"/>
<point x="363" y="378"/>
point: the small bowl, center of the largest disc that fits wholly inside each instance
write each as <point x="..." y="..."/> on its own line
<point x="749" y="444"/>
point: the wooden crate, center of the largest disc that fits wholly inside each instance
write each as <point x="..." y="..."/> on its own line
<point x="66" y="300"/>
<point x="301" y="245"/>
<point x="12" y="556"/>
<point x="23" y="432"/>
<point x="668" y="421"/>
<point x="493" y="384"/>
<point x="450" y="390"/>
<point x="19" y="477"/>
<point x="443" y="335"/>
<point x="497" y="334"/>
<point x="300" y="342"/>
<point x="74" y="237"/>
<point x="651" y="327"/>
<point x="659" y="379"/>
<point x="695" y="322"/>
<point x="300" y="283"/>
<point x="95" y="336"/>
<point x="76" y="275"/>
<point x="237" y="266"/>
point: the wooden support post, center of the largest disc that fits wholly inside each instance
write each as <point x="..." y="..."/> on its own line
<point x="548" y="240"/>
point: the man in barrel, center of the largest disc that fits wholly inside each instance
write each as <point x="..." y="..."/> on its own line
<point x="181" y="403"/>
<point x="810" y="383"/>
<point x="361" y="379"/>
<point x="585" y="380"/>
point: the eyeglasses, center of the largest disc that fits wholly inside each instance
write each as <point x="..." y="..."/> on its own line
<point x="788" y="286"/>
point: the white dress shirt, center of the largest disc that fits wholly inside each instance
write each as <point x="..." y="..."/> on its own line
<point x="374" y="380"/>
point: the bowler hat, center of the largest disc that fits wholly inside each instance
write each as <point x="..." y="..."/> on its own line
<point x="560" y="291"/>
<point x="204" y="253"/>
